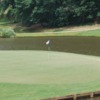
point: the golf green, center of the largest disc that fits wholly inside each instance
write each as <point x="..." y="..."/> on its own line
<point x="43" y="67"/>
<point x="40" y="70"/>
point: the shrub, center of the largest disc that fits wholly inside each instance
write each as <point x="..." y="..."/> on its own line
<point x="7" y="33"/>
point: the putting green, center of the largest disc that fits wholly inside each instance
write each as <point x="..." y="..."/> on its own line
<point x="43" y="67"/>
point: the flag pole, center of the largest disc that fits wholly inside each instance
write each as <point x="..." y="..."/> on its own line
<point x="48" y="46"/>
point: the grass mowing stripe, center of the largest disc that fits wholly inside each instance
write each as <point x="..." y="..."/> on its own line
<point x="38" y="91"/>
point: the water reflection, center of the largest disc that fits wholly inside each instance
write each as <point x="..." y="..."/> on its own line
<point x="82" y="45"/>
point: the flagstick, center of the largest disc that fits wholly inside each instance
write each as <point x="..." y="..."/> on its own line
<point x="48" y="45"/>
<point x="48" y="48"/>
<point x="48" y="52"/>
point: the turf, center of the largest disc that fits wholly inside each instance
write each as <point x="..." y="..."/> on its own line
<point x="33" y="75"/>
<point x="90" y="33"/>
<point x="95" y="33"/>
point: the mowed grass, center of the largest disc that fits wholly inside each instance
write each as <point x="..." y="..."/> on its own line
<point x="34" y="75"/>
<point x="95" y="33"/>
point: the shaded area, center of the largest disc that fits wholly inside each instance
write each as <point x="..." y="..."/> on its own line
<point x="81" y="45"/>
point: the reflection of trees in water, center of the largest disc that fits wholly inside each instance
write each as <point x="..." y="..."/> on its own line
<point x="82" y="45"/>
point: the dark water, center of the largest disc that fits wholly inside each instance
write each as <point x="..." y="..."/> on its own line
<point x="95" y="98"/>
<point x="81" y="45"/>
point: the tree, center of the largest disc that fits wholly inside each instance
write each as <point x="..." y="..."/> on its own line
<point x="86" y="10"/>
<point x="53" y="13"/>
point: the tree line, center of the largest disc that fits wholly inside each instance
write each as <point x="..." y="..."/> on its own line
<point x="53" y="13"/>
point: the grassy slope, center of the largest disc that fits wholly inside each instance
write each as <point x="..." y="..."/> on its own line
<point x="63" y="33"/>
<point x="32" y="75"/>
<point x="88" y="30"/>
<point x="39" y="91"/>
<point x="90" y="33"/>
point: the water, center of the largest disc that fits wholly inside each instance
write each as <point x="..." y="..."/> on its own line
<point x="96" y="98"/>
<point x="81" y="45"/>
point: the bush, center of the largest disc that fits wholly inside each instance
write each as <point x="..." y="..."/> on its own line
<point x="7" y="33"/>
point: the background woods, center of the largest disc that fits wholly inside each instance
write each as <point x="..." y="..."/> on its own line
<point x="53" y="13"/>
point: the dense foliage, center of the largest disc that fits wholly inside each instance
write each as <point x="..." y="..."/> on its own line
<point x="51" y="12"/>
<point x="7" y="33"/>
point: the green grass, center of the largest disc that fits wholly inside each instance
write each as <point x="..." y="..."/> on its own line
<point x="33" y="75"/>
<point x="95" y="33"/>
<point x="38" y="34"/>
<point x="90" y="33"/>
<point x="39" y="91"/>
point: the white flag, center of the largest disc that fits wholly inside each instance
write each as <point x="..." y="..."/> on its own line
<point x="48" y="42"/>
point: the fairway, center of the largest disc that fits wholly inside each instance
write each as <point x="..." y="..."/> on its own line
<point x="32" y="75"/>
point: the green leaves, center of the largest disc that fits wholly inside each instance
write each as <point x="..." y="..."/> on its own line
<point x="7" y="32"/>
<point x="53" y="13"/>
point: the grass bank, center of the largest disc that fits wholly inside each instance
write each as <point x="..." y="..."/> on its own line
<point x="9" y="91"/>
<point x="63" y="33"/>
<point x="21" y="31"/>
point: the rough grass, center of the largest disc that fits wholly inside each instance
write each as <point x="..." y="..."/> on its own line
<point x="62" y="33"/>
<point x="33" y="75"/>
<point x="87" y="30"/>
<point x="90" y="33"/>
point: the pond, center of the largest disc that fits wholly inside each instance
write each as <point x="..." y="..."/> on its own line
<point x="81" y="45"/>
